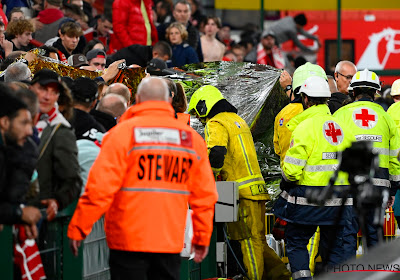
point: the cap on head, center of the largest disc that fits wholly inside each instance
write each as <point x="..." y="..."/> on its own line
<point x="316" y="86"/>
<point x="84" y="89"/>
<point x="45" y="77"/>
<point x="77" y="60"/>
<point x="95" y="53"/>
<point x="203" y="100"/>
<point x="365" y="79"/>
<point x="268" y="32"/>
<point x="157" y="63"/>
<point x="305" y="71"/>
<point x="395" y="90"/>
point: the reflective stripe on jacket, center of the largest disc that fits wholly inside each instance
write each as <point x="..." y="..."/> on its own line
<point x="240" y="164"/>
<point x="368" y="121"/>
<point x="282" y="134"/>
<point x="150" y="167"/>
<point x="310" y="162"/>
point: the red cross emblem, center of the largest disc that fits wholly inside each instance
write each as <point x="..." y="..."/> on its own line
<point x="333" y="133"/>
<point x="365" y="118"/>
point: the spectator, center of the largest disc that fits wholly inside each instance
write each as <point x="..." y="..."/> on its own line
<point x="17" y="72"/>
<point x="15" y="127"/>
<point x="48" y="20"/>
<point x="213" y="50"/>
<point x="224" y="35"/>
<point x="164" y="11"/>
<point x="58" y="167"/>
<point x="69" y="33"/>
<point x="197" y="18"/>
<point x="267" y="51"/>
<point x="97" y="59"/>
<point x="21" y="32"/>
<point x="84" y="91"/>
<point x="102" y="31"/>
<point x="6" y="47"/>
<point x="122" y="90"/>
<point x="133" y="24"/>
<point x="75" y="12"/>
<point x="94" y="44"/>
<point x="109" y="110"/>
<point x="287" y="28"/>
<point x="182" y="53"/>
<point x="239" y="51"/>
<point x="113" y="104"/>
<point x="15" y="14"/>
<point x="181" y="14"/>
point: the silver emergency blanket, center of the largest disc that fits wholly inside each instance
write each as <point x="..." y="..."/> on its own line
<point x="255" y="91"/>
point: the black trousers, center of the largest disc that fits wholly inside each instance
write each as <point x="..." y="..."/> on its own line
<point x="126" y="265"/>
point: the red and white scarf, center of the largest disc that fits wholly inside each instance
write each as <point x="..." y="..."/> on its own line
<point x="277" y="57"/>
<point x="52" y="118"/>
<point x="27" y="256"/>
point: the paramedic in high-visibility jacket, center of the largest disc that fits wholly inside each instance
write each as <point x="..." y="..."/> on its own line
<point x="150" y="167"/>
<point x="233" y="158"/>
<point x="317" y="137"/>
<point x="368" y="121"/>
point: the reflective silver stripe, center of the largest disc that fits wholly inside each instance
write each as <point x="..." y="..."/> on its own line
<point x="381" y="151"/>
<point x="301" y="274"/>
<point x="284" y="195"/>
<point x="381" y="182"/>
<point x="329" y="202"/>
<point x="394" y="178"/>
<point x="179" y="149"/>
<point x="249" y="181"/>
<point x="321" y="168"/>
<point x="295" y="161"/>
<point x="245" y="154"/>
<point x="394" y="153"/>
<point x="126" y="189"/>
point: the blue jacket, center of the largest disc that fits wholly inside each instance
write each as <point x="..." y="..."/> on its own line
<point x="182" y="54"/>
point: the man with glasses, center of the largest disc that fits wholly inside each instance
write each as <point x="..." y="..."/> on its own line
<point x="344" y="72"/>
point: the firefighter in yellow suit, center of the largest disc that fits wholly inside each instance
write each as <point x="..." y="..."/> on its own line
<point x="233" y="158"/>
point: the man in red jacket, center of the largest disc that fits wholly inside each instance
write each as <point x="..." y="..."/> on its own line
<point x="133" y="23"/>
<point x="150" y="167"/>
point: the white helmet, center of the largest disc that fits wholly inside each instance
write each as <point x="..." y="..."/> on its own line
<point x="315" y="86"/>
<point x="395" y="88"/>
<point x="366" y="79"/>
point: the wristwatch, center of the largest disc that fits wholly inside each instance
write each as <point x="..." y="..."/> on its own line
<point x="288" y="87"/>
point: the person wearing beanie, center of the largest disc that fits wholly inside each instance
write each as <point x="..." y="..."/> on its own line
<point x="84" y="92"/>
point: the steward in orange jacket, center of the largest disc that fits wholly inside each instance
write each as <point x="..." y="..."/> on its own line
<point x="150" y="167"/>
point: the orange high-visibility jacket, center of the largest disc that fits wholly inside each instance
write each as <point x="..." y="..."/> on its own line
<point x="150" y="167"/>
